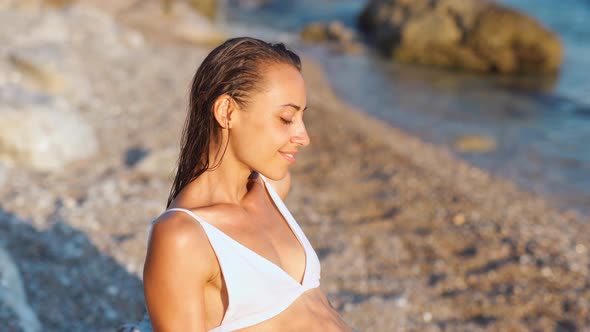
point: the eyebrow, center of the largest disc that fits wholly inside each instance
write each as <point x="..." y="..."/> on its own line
<point x="294" y="106"/>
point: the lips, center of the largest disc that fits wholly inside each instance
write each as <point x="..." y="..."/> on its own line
<point x="289" y="155"/>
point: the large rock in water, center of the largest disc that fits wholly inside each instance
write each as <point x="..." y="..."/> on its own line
<point x="462" y="34"/>
<point x="40" y="131"/>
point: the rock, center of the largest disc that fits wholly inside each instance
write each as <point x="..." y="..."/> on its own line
<point x="40" y="131"/>
<point x="459" y="219"/>
<point x="41" y="50"/>
<point x="40" y="67"/>
<point x="208" y="8"/>
<point x="314" y="32"/>
<point x="320" y="31"/>
<point x="27" y="28"/>
<point x="462" y="34"/>
<point x="475" y="143"/>
<point x="96" y="30"/>
<point x="336" y="32"/>
<point x="12" y="294"/>
<point x="176" y="20"/>
<point x="467" y="11"/>
<point x="514" y="43"/>
<point x="250" y="4"/>
<point x="418" y="41"/>
<point x="193" y="31"/>
<point x="418" y="30"/>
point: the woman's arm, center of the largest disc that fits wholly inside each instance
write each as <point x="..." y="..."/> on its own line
<point x="179" y="262"/>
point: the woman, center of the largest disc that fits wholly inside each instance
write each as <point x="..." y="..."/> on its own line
<point x="227" y="255"/>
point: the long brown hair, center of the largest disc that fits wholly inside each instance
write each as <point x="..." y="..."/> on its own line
<point x="232" y="68"/>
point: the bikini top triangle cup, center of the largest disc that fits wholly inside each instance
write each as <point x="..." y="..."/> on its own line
<point x="257" y="288"/>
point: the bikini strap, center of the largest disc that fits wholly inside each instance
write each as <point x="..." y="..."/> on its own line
<point x="187" y="211"/>
<point x="270" y="187"/>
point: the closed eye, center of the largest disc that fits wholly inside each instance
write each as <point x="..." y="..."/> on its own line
<point x="286" y="121"/>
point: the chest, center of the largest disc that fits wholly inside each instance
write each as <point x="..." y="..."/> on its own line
<point x="266" y="235"/>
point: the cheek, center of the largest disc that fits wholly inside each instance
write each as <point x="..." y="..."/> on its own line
<point x="261" y="138"/>
<point x="279" y="134"/>
<point x="272" y="137"/>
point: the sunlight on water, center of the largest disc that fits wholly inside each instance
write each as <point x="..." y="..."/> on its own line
<point x="540" y="135"/>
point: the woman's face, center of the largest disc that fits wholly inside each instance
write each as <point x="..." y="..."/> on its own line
<point x="270" y="129"/>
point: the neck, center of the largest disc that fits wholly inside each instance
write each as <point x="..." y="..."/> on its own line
<point x="227" y="183"/>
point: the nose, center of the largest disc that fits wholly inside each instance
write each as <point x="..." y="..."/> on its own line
<point x="301" y="137"/>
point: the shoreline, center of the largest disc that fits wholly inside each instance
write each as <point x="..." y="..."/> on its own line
<point x="406" y="144"/>
<point x="523" y="164"/>
<point x="400" y="226"/>
<point x="389" y="191"/>
<point x="524" y="130"/>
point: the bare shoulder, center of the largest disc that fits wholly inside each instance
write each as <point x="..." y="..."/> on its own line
<point x="282" y="186"/>
<point x="179" y="263"/>
<point x="178" y="233"/>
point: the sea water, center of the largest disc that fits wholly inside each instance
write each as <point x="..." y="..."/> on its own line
<point x="541" y="128"/>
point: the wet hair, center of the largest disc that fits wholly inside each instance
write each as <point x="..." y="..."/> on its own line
<point x="234" y="68"/>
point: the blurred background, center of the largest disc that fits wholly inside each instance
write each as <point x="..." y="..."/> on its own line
<point x="531" y="132"/>
<point x="447" y="187"/>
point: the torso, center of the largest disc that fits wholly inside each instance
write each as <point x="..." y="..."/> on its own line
<point x="263" y="229"/>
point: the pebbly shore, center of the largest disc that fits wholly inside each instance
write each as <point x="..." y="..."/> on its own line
<point x="410" y="238"/>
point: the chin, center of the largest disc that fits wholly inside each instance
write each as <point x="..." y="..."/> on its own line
<point x="274" y="174"/>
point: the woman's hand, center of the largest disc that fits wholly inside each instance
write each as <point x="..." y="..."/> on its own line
<point x="282" y="186"/>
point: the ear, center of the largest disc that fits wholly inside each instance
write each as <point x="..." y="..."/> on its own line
<point x="223" y="108"/>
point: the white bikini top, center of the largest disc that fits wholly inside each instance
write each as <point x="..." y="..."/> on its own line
<point x="257" y="288"/>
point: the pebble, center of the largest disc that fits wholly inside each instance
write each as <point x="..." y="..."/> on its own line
<point x="459" y="219"/>
<point x="112" y="290"/>
<point x="401" y="302"/>
<point x="546" y="272"/>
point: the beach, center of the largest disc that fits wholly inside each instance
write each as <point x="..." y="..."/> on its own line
<point x="410" y="238"/>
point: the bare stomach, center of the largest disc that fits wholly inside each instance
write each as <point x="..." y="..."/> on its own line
<point x="310" y="312"/>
